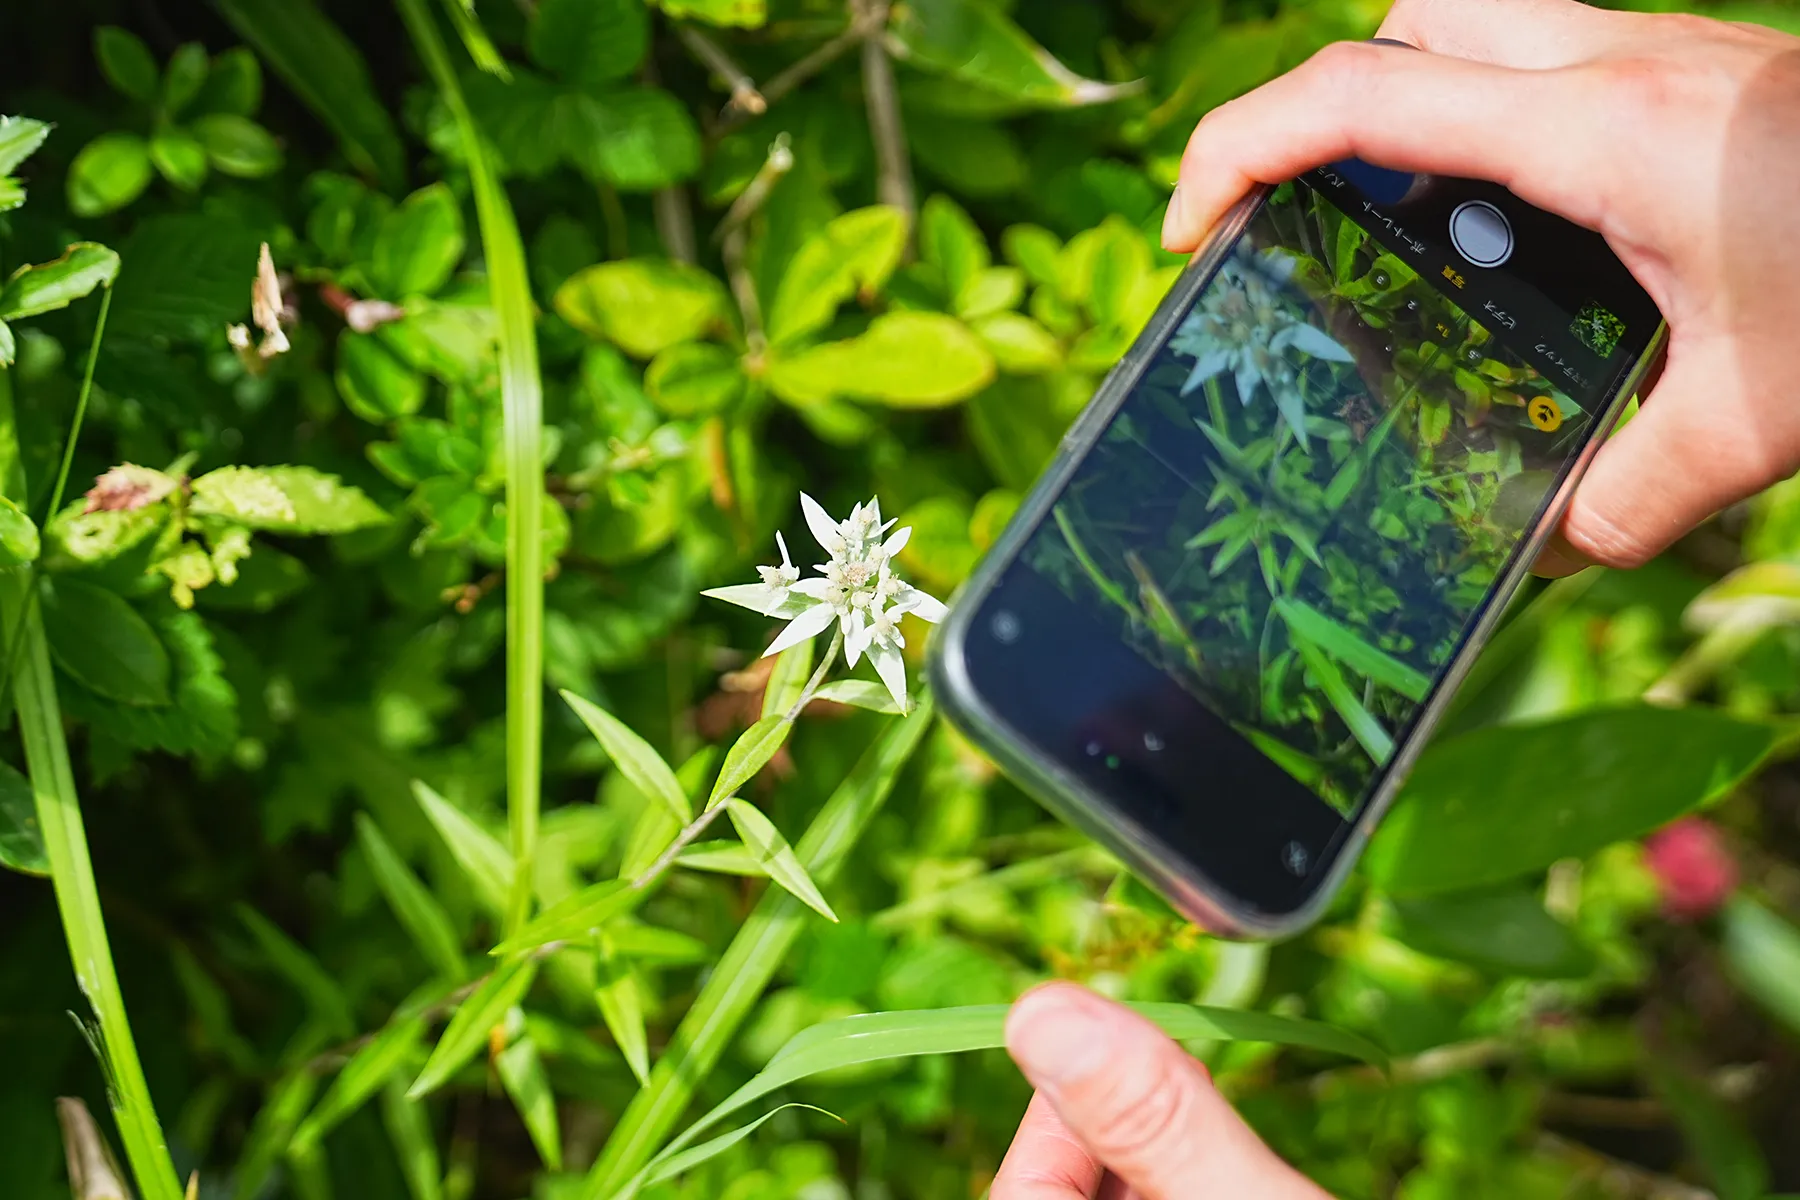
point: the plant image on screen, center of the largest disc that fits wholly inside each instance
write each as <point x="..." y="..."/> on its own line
<point x="1301" y="507"/>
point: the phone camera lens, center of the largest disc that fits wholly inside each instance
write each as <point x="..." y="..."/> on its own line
<point x="1006" y="627"/>
<point x="1152" y="741"/>
<point x="1093" y="749"/>
<point x="1296" y="858"/>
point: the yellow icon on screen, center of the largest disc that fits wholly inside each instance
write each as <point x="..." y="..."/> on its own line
<point x="1545" y="414"/>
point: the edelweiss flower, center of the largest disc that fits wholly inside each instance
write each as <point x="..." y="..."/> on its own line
<point x="857" y="589"/>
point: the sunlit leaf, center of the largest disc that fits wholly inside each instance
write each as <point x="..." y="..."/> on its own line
<point x="418" y="245"/>
<point x="905" y="360"/>
<point x="417" y="909"/>
<point x="621" y="999"/>
<point x="481" y="855"/>
<point x="859" y="693"/>
<point x="467" y="1033"/>
<point x="574" y="918"/>
<point x="1762" y="952"/>
<point x="110" y="172"/>
<point x="634" y="758"/>
<point x="775" y="856"/>
<point x="750" y="754"/>
<point x="644" y="305"/>
<point x="979" y="44"/>
<point x="56" y="284"/>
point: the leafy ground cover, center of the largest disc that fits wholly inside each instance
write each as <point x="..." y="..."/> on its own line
<point x="383" y="386"/>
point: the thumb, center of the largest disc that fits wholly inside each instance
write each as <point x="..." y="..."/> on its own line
<point x="1143" y="1107"/>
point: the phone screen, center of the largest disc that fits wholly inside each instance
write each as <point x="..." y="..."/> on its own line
<point x="1301" y="508"/>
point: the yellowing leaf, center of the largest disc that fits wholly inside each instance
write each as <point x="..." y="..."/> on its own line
<point x="905" y="360"/>
<point x="284" y="500"/>
<point x="855" y="253"/>
<point x="645" y="305"/>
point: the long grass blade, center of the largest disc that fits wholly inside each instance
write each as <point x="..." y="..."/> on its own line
<point x="1361" y="722"/>
<point x="752" y="959"/>
<point x="523" y="402"/>
<point x="1345" y="646"/>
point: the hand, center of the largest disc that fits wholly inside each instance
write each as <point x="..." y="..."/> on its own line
<point x="1122" y="1113"/>
<point x="1675" y="137"/>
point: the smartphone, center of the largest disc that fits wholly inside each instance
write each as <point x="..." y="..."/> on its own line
<point x="1223" y="623"/>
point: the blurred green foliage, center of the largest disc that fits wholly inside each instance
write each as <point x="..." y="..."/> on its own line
<point x="761" y="259"/>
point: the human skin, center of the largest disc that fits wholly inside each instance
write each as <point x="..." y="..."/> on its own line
<point x="1675" y="137"/>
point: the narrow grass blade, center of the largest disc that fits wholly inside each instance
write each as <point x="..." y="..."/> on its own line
<point x="634" y="757"/>
<point x="859" y="693"/>
<point x="483" y="859"/>
<point x="574" y="918"/>
<point x="1362" y="723"/>
<point x="287" y="1101"/>
<point x="475" y="38"/>
<point x="468" y="1030"/>
<point x="292" y="960"/>
<point x="522" y="402"/>
<point x="775" y="856"/>
<point x="687" y="1160"/>
<point x="411" y="1135"/>
<point x="752" y="959"/>
<point x="876" y="1037"/>
<point x="423" y="917"/>
<point x="369" y="1069"/>
<point x="1345" y="646"/>
<point x="723" y="858"/>
<point x="748" y="755"/>
<point x="522" y="1074"/>
<point x="621" y="1001"/>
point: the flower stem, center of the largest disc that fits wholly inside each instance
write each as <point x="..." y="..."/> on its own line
<point x="818" y="676"/>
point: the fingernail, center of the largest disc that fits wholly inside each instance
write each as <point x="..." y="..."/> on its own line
<point x="1059" y="1036"/>
<point x="1556" y="561"/>
<point x="1171" y="215"/>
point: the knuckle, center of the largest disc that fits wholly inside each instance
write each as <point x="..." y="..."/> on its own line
<point x="1147" y="1113"/>
<point x="1344" y="69"/>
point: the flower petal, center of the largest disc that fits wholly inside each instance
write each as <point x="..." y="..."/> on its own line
<point x="890" y="664"/>
<point x="813" y="586"/>
<point x="897" y="543"/>
<point x="824" y="529"/>
<point x="856" y="638"/>
<point x="757" y="597"/>
<point x="926" y="607"/>
<point x="782" y="542"/>
<point x="809" y="624"/>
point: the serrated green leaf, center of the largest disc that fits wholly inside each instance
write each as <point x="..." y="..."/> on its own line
<point x="775" y="856"/>
<point x="101" y="642"/>
<point x="860" y="693"/>
<point x="573" y="918"/>
<point x="643" y="305"/>
<point x="284" y="500"/>
<point x="21" y="838"/>
<point x="589" y="41"/>
<point x="750" y="754"/>
<point x="418" y="244"/>
<point x="377" y="1061"/>
<point x="417" y="909"/>
<point x="19" y="139"/>
<point x="31" y="290"/>
<point x="522" y="1074"/>
<point x="482" y="857"/>
<point x="468" y="1030"/>
<point x="634" y="758"/>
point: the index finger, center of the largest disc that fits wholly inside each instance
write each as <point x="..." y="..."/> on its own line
<point x="1535" y="132"/>
<point x="1046" y="1161"/>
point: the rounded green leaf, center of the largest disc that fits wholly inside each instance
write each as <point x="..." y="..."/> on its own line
<point x="1020" y="345"/>
<point x="233" y="86"/>
<point x="589" y="41"/>
<point x="644" y="305"/>
<point x="126" y="62"/>
<point x="694" y="379"/>
<point x="419" y="244"/>
<point x="110" y="172"/>
<point x="283" y="500"/>
<point x="853" y="255"/>
<point x="21" y="839"/>
<point x="905" y="360"/>
<point x="636" y="139"/>
<point x="376" y="385"/>
<point x="19" y="542"/>
<point x="237" y="145"/>
<point x="55" y="284"/>
<point x="179" y="158"/>
<point x="185" y="76"/>
<point x="1499" y="803"/>
<point x="749" y="14"/>
<point x="104" y="644"/>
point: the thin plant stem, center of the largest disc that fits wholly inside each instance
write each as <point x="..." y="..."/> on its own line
<point x="894" y="177"/>
<point x="744" y="96"/>
<point x="522" y="402"/>
<point x="784" y="82"/>
<point x="72" y="869"/>
<point x="817" y="681"/>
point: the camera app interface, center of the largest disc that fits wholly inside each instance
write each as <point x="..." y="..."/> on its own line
<point x="1300" y="509"/>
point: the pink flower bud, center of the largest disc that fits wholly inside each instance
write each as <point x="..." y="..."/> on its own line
<point x="1693" y="869"/>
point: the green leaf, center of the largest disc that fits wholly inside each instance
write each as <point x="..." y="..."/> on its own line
<point x="233" y="86"/>
<point x="179" y="158"/>
<point x="788" y="679"/>
<point x="126" y="63"/>
<point x="415" y="1145"/>
<point x="110" y="172"/>
<point x="483" y="859"/>
<point x="633" y="756"/>
<point x="979" y="44"/>
<point x="322" y="66"/>
<point x="695" y="379"/>
<point x="1726" y="1149"/>
<point x="878" y="1037"/>
<point x="1762" y="953"/>
<point x="750" y="754"/>
<point x="104" y="644"/>
<point x="1340" y="643"/>
<point x="860" y="693"/>
<point x="981" y="159"/>
<point x="284" y="500"/>
<point x="573" y="918"/>
<point x="905" y="360"/>
<point x="19" y="139"/>
<point x="1503" y="802"/>
<point x="183" y="78"/>
<point x="1020" y="345"/>
<point x="722" y="858"/>
<point x="376" y="1062"/>
<point x="418" y="245"/>
<point x="950" y="241"/>
<point x="749" y="14"/>
<point x="238" y="146"/>
<point x="644" y="305"/>
<point x="522" y="1074"/>
<point x="1507" y="932"/>
<point x="323" y="995"/>
<point x="21" y="839"/>
<point x="467" y="1033"/>
<point x="775" y="856"/>
<point x="854" y="255"/>
<point x="636" y="139"/>
<point x="190" y="275"/>
<point x="417" y="909"/>
<point x="83" y="267"/>
<point x="9" y="348"/>
<point x="619" y="994"/>
<point x="687" y="1160"/>
<point x="373" y="381"/>
<point x="589" y="41"/>
<point x="1363" y="725"/>
<point x="754" y="956"/>
<point x="19" y="542"/>
<point x="75" y="538"/>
